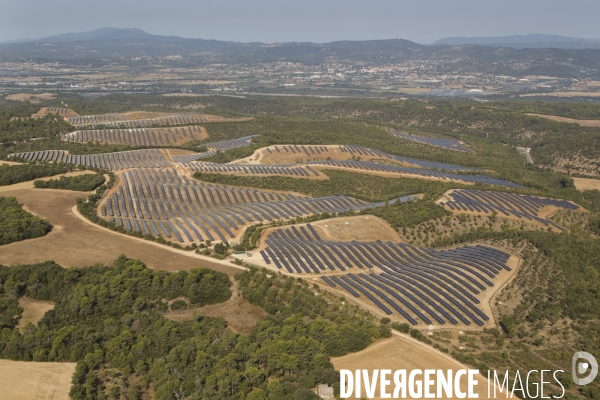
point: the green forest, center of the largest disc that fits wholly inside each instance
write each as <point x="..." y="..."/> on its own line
<point x="17" y="224"/>
<point x="109" y="320"/>
<point x="81" y="183"/>
<point x="11" y="174"/>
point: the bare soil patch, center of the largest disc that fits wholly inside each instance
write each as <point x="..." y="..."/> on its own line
<point x="34" y="98"/>
<point x="33" y="310"/>
<point x="239" y="314"/>
<point x="401" y="352"/>
<point x="361" y="228"/>
<point x="587" y="184"/>
<point x="26" y="380"/>
<point x="591" y="123"/>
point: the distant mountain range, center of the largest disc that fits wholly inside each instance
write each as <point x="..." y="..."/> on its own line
<point x="509" y="55"/>
<point x="524" y="41"/>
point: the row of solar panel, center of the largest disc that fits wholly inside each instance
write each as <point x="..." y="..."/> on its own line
<point x="136" y="137"/>
<point x="214" y="147"/>
<point x="122" y="120"/>
<point x="147" y="158"/>
<point x="445" y="143"/>
<point x="522" y="206"/>
<point x="163" y="194"/>
<point x="443" y="279"/>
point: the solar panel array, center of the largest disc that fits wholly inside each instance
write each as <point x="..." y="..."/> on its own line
<point x="305" y="170"/>
<point x="507" y="204"/>
<point x="294" y="148"/>
<point x="148" y="158"/>
<point x="445" y="143"/>
<point x="230" y="144"/>
<point x="214" y="147"/>
<point x="360" y="151"/>
<point x="252" y="169"/>
<point x="417" y="283"/>
<point x="136" y="136"/>
<point x="124" y="120"/>
<point x="369" y="166"/>
<point x="195" y="211"/>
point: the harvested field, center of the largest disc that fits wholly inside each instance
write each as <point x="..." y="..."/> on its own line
<point x="33" y="310"/>
<point x="590" y="123"/>
<point x="361" y="228"/>
<point x="587" y="184"/>
<point x="27" y="380"/>
<point x="33" y="98"/>
<point x="401" y="352"/>
<point x="75" y="241"/>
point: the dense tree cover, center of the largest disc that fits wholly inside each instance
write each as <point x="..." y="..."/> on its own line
<point x="404" y="215"/>
<point x="82" y="183"/>
<point x="362" y="186"/>
<point x="22" y="129"/>
<point x="569" y="109"/>
<point x="17" y="224"/>
<point x="10" y="174"/>
<point x="109" y="320"/>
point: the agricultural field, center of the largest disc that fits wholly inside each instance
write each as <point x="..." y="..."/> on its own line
<point x="591" y="123"/>
<point x="26" y="380"/>
<point x="401" y="352"/>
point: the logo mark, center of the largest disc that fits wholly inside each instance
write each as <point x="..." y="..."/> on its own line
<point x="580" y="368"/>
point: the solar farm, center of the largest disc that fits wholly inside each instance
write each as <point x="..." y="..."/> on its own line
<point x="346" y="159"/>
<point x="145" y="119"/>
<point x="443" y="143"/>
<point x="156" y="196"/>
<point x="508" y="205"/>
<point x="415" y="284"/>
<point x="163" y="202"/>
<point x="149" y="137"/>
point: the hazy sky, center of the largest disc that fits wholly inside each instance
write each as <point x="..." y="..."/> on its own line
<point x="422" y="21"/>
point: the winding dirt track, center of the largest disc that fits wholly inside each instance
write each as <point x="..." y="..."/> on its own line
<point x="75" y="241"/>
